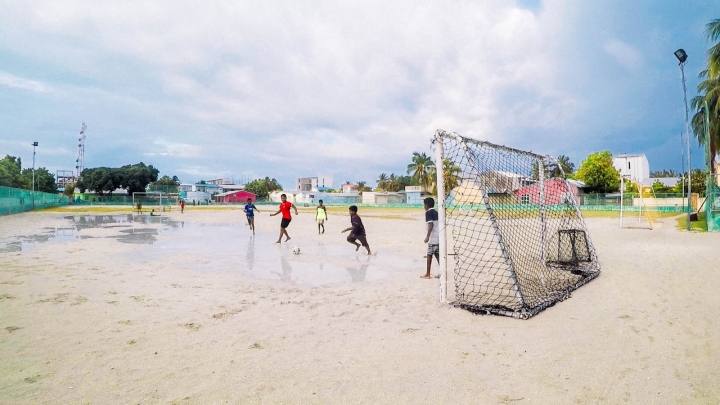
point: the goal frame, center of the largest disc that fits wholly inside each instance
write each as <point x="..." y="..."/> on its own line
<point x="137" y="197"/>
<point x="547" y="221"/>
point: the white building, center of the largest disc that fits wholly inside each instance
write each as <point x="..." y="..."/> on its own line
<point x="413" y="194"/>
<point x="633" y="166"/>
<point x="319" y="183"/>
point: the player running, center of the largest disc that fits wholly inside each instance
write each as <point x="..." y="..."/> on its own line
<point x="358" y="231"/>
<point x="284" y="208"/>
<point x="250" y="209"/>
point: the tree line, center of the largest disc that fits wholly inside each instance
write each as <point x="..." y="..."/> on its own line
<point x="105" y="180"/>
<point x="13" y="175"/>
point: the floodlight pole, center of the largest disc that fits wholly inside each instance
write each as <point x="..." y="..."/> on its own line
<point x="439" y="170"/>
<point x="687" y="135"/>
<point x="33" y="175"/>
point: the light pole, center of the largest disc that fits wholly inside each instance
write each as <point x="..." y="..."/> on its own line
<point x="682" y="56"/>
<point x="35" y="144"/>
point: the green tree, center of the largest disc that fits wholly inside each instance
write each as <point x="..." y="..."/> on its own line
<point x="69" y="190"/>
<point x="166" y="184"/>
<point x="697" y="183"/>
<point x="10" y="173"/>
<point x="263" y="187"/>
<point x="659" y="187"/>
<point x="362" y="186"/>
<point x="451" y="176"/>
<point x="44" y="180"/>
<point x="135" y="178"/>
<point x="100" y="180"/>
<point x="664" y="173"/>
<point x="564" y="163"/>
<point x="709" y="92"/>
<point x="420" y="169"/>
<point x="598" y="173"/>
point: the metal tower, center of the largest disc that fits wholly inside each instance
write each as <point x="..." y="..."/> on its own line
<point x="79" y="162"/>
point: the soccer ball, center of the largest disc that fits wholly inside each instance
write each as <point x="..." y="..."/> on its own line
<point x="296" y="250"/>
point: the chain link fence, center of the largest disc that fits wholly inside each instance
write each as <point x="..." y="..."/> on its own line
<point x="15" y="200"/>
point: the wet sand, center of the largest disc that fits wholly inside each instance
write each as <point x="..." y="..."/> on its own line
<point x="190" y="309"/>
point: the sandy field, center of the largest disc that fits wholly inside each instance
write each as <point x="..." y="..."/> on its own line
<point x="190" y="309"/>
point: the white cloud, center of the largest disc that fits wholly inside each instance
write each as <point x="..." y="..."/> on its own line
<point x="624" y="54"/>
<point x="313" y="85"/>
<point x="9" y="80"/>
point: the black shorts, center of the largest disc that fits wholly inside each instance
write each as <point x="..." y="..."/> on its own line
<point x="361" y="238"/>
<point x="284" y="223"/>
<point x="250" y="219"/>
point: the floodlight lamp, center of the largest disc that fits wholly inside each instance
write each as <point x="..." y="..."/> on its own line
<point x="681" y="55"/>
<point x="35" y="144"/>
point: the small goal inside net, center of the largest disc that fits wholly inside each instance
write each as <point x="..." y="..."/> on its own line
<point x="147" y="202"/>
<point x="517" y="236"/>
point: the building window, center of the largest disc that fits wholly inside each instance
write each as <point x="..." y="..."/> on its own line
<point x="525" y="199"/>
<point x="628" y="165"/>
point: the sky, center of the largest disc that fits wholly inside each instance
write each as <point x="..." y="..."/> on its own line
<point x="349" y="89"/>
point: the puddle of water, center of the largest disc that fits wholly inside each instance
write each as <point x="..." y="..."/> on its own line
<point x="232" y="248"/>
<point x="223" y="247"/>
<point x="78" y="223"/>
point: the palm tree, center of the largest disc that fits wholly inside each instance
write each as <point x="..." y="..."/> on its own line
<point x="420" y="169"/>
<point x="712" y="33"/>
<point x="709" y="90"/>
<point x="709" y="93"/>
<point x="361" y="186"/>
<point x="393" y="183"/>
<point x="564" y="163"/>
<point x="451" y="176"/>
<point x="382" y="181"/>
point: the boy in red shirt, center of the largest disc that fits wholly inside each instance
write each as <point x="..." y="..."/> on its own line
<point x="286" y="217"/>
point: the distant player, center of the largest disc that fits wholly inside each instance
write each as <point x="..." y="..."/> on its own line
<point x="250" y="209"/>
<point x="182" y="206"/>
<point x="321" y="216"/>
<point x="432" y="238"/>
<point x="357" y="231"/>
<point x="284" y="208"/>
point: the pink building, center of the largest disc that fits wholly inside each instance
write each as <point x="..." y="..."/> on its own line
<point x="556" y="192"/>
<point x="237" y="196"/>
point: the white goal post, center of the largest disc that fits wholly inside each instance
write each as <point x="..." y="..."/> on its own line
<point x="148" y="201"/>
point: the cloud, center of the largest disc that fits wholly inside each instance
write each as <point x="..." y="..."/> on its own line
<point x="9" y="80"/>
<point x="624" y="54"/>
<point x="304" y="87"/>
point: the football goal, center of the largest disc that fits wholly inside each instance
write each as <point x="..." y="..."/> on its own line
<point x="145" y="202"/>
<point x="638" y="210"/>
<point x="516" y="234"/>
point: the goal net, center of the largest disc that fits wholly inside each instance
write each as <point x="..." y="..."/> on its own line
<point x="517" y="236"/>
<point x="146" y="202"/>
<point x="638" y="210"/>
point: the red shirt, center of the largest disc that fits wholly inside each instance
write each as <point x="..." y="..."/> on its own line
<point x="285" y="209"/>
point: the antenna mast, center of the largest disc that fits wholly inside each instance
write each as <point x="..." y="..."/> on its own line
<point x="79" y="162"/>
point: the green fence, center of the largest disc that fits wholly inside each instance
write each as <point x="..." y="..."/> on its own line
<point x="15" y="200"/>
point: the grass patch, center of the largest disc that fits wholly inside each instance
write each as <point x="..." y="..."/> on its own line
<point x="696" y="226"/>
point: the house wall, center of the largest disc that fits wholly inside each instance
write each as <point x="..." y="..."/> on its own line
<point x="556" y="192"/>
<point x="636" y="168"/>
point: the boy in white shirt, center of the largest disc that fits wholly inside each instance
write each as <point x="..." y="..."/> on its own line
<point x="433" y="233"/>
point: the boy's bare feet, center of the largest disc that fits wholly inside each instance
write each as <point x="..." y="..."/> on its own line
<point x="427" y="276"/>
<point x="287" y="239"/>
<point x="357" y="247"/>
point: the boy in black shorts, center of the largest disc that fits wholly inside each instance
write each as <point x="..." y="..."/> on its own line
<point x="432" y="238"/>
<point x="284" y="209"/>
<point x="358" y="231"/>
